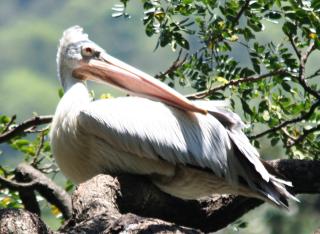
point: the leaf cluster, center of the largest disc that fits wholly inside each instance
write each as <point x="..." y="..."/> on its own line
<point x="270" y="83"/>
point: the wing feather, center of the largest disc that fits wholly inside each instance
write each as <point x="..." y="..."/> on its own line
<point x="153" y="130"/>
<point x="234" y="126"/>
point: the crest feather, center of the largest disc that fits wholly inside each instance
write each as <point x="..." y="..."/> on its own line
<point x="70" y="35"/>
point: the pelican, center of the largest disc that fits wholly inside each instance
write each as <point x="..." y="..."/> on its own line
<point x="187" y="149"/>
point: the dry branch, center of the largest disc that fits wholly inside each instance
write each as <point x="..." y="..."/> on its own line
<point x="46" y="187"/>
<point x="29" y="180"/>
<point x="95" y="210"/>
<point x="21" y="128"/>
<point x="21" y="221"/>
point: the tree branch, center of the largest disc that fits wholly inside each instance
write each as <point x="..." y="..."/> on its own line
<point x="174" y="66"/>
<point x="304" y="116"/>
<point x="30" y="180"/>
<point x="293" y="44"/>
<point x="95" y="210"/>
<point x="46" y="187"/>
<point x="111" y="200"/>
<point x="240" y="13"/>
<point x="304" y="134"/>
<point x="203" y="94"/>
<point x="106" y="204"/>
<point x="315" y="74"/>
<point x="301" y="77"/>
<point x="21" y="128"/>
<point x="21" y="221"/>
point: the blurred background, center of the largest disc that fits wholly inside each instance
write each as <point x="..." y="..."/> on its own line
<point x="29" y="36"/>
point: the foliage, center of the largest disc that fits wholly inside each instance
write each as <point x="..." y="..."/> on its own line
<point x="34" y="145"/>
<point x="277" y="91"/>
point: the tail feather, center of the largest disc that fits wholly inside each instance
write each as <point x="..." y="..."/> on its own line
<point x="273" y="191"/>
<point x="245" y="167"/>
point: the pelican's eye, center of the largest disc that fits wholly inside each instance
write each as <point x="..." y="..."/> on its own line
<point x="87" y="51"/>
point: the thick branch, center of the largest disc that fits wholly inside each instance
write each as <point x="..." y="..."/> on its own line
<point x="21" y="221"/>
<point x="35" y="121"/>
<point x="216" y="213"/>
<point x="46" y="187"/>
<point x="105" y="204"/>
<point x="95" y="210"/>
<point x="30" y="180"/>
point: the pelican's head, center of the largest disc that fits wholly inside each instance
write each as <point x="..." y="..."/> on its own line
<point x="79" y="58"/>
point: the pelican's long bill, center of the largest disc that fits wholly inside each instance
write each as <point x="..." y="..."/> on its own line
<point x="121" y="75"/>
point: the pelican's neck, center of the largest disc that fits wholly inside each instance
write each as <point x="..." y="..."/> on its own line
<point x="75" y="96"/>
<point x="68" y="81"/>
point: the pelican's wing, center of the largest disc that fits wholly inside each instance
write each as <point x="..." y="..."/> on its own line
<point x="234" y="126"/>
<point x="153" y="130"/>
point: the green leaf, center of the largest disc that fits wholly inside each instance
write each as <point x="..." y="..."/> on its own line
<point x="315" y="4"/>
<point x="20" y="142"/>
<point x="255" y="64"/>
<point x="289" y="28"/>
<point x="4" y="119"/>
<point x="286" y="86"/>
<point x="246" y="72"/>
<point x="248" y="35"/>
<point x="274" y="141"/>
<point x="246" y="107"/>
<point x="273" y="15"/>
<point x="60" y="92"/>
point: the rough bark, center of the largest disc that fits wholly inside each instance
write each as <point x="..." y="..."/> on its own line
<point x="108" y="204"/>
<point x="95" y="210"/>
<point x="21" y="222"/>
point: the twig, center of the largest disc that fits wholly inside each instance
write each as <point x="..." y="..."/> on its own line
<point x="293" y="44"/>
<point x="35" y="160"/>
<point x="305" y="133"/>
<point x="243" y="8"/>
<point x="32" y="130"/>
<point x="35" y="121"/>
<point x="13" y="118"/>
<point x="4" y="171"/>
<point x="316" y="73"/>
<point x="17" y="186"/>
<point x="40" y="145"/>
<point x="301" y="77"/>
<point x="287" y="122"/>
<point x="206" y="93"/>
<point x="174" y="66"/>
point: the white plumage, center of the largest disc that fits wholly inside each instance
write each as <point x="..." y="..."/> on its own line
<point x="185" y="152"/>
